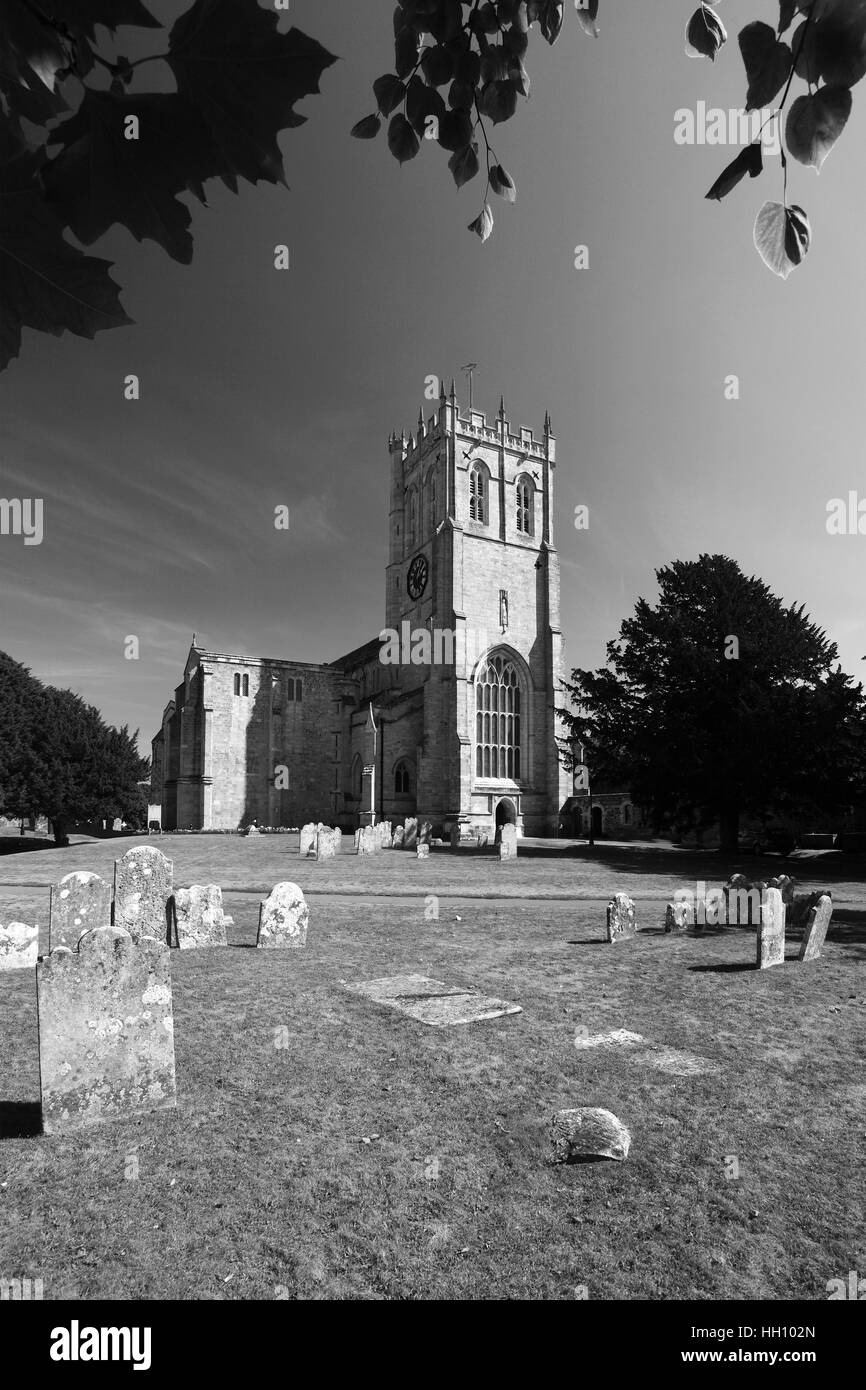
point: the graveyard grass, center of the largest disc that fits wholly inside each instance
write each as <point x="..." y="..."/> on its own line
<point x="327" y="1147"/>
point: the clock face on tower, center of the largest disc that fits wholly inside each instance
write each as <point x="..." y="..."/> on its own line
<point x="416" y="578"/>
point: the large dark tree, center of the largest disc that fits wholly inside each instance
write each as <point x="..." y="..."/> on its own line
<point x="19" y="698"/>
<point x="58" y="758"/>
<point x="79" y="768"/>
<point x="720" y="701"/>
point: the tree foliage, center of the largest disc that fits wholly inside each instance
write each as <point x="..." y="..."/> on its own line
<point x="83" y="148"/>
<point x="59" y="759"/>
<point x="460" y="67"/>
<point x="700" y="727"/>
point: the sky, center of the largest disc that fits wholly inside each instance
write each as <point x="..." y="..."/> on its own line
<point x="262" y="388"/>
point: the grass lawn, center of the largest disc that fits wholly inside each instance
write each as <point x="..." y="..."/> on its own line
<point x="375" y="1157"/>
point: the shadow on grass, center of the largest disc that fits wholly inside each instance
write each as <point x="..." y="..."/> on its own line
<point x="20" y="1119"/>
<point x="723" y="968"/>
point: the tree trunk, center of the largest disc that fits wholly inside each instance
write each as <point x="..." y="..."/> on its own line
<point x="60" y="835"/>
<point x="729" y="830"/>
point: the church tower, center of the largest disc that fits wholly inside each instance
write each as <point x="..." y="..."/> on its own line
<point x="472" y="587"/>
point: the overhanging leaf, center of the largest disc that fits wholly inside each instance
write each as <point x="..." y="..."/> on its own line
<point x="815" y="123"/>
<point x="45" y="283"/>
<point x="782" y="237"/>
<point x="767" y="61"/>
<point x="482" y="226"/>
<point x="402" y="140"/>
<point x="244" y="77"/>
<point x="749" y="161"/>
<point x="502" y="183"/>
<point x="464" y="164"/>
<point x="705" y="34"/>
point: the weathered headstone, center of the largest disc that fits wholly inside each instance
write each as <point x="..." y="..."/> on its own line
<point x="283" y="917"/>
<point x="620" y="917"/>
<point x="679" y="916"/>
<point x="19" y="946"/>
<point x="78" y="902"/>
<point x="328" y="843"/>
<point x="422" y="850"/>
<point x="106" y="1042"/>
<point x="742" y="902"/>
<point x="410" y="837"/>
<point x="387" y="834"/>
<point x="117" y="825"/>
<point x="588" y="1132"/>
<point x="399" y="833"/>
<point x="366" y="843"/>
<point x="508" y="842"/>
<point x="308" y="838"/>
<point x="199" y="916"/>
<point x="252" y="830"/>
<point x="815" y="930"/>
<point x="425" y="832"/>
<point x="143" y="887"/>
<point x="771" y="930"/>
<point x="785" y="884"/>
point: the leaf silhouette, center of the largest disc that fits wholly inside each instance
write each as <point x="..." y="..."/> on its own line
<point x="244" y="78"/>
<point x="815" y="123"/>
<point x="45" y="283"/>
<point x="767" y="61"/>
<point x="782" y="237"/>
<point x="749" y="161"/>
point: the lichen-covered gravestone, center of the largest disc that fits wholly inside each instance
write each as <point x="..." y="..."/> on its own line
<point x="620" y="917"/>
<point x="200" y="918"/>
<point x="815" y="930"/>
<point x="328" y="843"/>
<point x="410" y="832"/>
<point x="79" y="902"/>
<point x="422" y="850"/>
<point x="588" y="1132"/>
<point x="742" y="902"/>
<point x="678" y="916"/>
<point x="106" y="1041"/>
<point x="397" y="841"/>
<point x="508" y="842"/>
<point x="143" y="888"/>
<point x="308" y="838"/>
<point x="19" y="946"/>
<point x="771" y="930"/>
<point x="366" y="840"/>
<point x="425" y="832"/>
<point x="283" y="917"/>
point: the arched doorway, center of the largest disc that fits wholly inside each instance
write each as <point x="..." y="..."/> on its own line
<point x="597" y="822"/>
<point x="506" y="814"/>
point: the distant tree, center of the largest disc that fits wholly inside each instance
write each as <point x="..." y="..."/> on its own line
<point x="77" y="768"/>
<point x="19" y="698"/>
<point x="719" y="701"/>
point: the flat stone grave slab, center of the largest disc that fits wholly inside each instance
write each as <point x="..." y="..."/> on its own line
<point x="670" y="1060"/>
<point x="432" y="1001"/>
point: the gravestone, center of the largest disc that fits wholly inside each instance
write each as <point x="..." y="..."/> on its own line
<point x="143" y="887"/>
<point x="252" y="830"/>
<point x="508" y="842"/>
<point x="483" y="840"/>
<point x="283" y="917"/>
<point x="366" y="843"/>
<point x="454" y="836"/>
<point x="387" y="834"/>
<point x="588" y="1132"/>
<point x="815" y="930"/>
<point x="425" y="831"/>
<point x="678" y="916"/>
<point x="199" y="917"/>
<point x="785" y="885"/>
<point x="771" y="930"/>
<point x="397" y="842"/>
<point x="742" y="902"/>
<point x="410" y="837"/>
<point x="620" y="917"/>
<point x="423" y="850"/>
<point x="106" y="1042"/>
<point x="328" y="843"/>
<point x="19" y="946"/>
<point x="117" y="825"/>
<point x="307" y="842"/>
<point x="78" y="902"/>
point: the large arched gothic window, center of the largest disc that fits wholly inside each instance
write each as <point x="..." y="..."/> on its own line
<point x="525" y="506"/>
<point x="430" y="494"/>
<point x="402" y="779"/>
<point x="497" y="720"/>
<point x="478" y="493"/>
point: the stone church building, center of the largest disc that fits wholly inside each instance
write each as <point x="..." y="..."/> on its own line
<point x="447" y="714"/>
